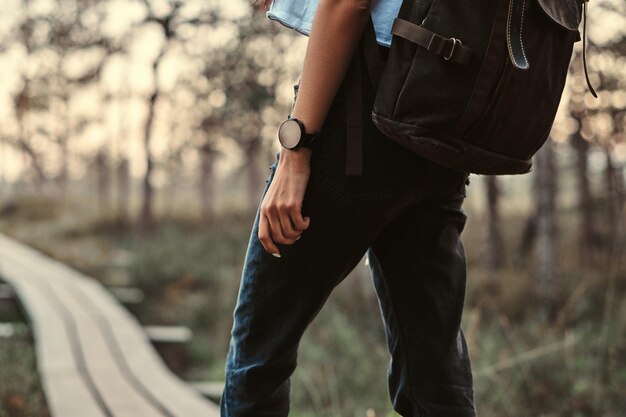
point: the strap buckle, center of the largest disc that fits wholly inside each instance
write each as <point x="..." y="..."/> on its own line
<point x="455" y="41"/>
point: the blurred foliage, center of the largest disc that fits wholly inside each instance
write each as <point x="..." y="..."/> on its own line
<point x="523" y="362"/>
<point x="112" y="106"/>
<point x="20" y="386"/>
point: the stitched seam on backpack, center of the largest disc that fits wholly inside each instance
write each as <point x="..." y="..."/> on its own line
<point x="521" y="31"/>
<point x="508" y="29"/>
<point x="508" y="32"/>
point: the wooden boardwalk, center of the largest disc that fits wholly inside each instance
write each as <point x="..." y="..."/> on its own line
<point x="94" y="358"/>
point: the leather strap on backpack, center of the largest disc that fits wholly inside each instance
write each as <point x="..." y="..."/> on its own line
<point x="514" y="27"/>
<point x="451" y="49"/>
<point x="354" y="95"/>
<point x="354" y="117"/>
<point x="591" y="89"/>
<point x="371" y="52"/>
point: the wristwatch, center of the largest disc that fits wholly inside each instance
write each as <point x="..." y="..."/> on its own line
<point x="292" y="134"/>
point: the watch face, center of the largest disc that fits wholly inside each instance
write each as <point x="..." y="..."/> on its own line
<point x="289" y="133"/>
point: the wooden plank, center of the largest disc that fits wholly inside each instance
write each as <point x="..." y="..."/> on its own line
<point x="168" y="334"/>
<point x="116" y="391"/>
<point x="133" y="350"/>
<point x="210" y="389"/>
<point x="144" y="362"/>
<point x="66" y="390"/>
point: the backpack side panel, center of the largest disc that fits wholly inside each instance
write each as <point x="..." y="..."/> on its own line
<point x="488" y="117"/>
<point x="415" y="80"/>
<point x="517" y="120"/>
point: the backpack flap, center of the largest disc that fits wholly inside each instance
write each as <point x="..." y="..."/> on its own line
<point x="567" y="14"/>
<point x="563" y="12"/>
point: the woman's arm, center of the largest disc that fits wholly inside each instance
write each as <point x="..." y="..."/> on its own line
<point x="335" y="32"/>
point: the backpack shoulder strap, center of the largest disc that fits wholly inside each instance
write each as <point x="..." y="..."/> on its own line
<point x="371" y="52"/>
<point x="368" y="46"/>
<point x="354" y="117"/>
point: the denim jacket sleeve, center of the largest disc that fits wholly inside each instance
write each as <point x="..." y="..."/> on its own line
<point x="295" y="95"/>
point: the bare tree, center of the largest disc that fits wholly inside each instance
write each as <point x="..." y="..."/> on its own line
<point x="103" y="181"/>
<point x="123" y="189"/>
<point x="546" y="252"/>
<point x="236" y="72"/>
<point x="585" y="198"/>
<point x="168" y="24"/>
<point x="207" y="180"/>
<point x="494" y="255"/>
<point x="41" y="105"/>
<point x="23" y="103"/>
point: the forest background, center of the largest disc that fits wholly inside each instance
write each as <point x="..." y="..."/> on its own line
<point x="135" y="141"/>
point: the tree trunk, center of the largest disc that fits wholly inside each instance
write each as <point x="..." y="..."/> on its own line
<point x="32" y="156"/>
<point x="63" y="170"/>
<point x="585" y="202"/>
<point x="494" y="244"/>
<point x="123" y="190"/>
<point x="63" y="142"/>
<point x="253" y="174"/>
<point x="546" y="256"/>
<point x="22" y="107"/>
<point x="612" y="191"/>
<point x="207" y="181"/>
<point x="103" y="183"/>
<point x="146" y="219"/>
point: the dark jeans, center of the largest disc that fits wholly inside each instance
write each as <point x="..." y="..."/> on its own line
<point x="405" y="214"/>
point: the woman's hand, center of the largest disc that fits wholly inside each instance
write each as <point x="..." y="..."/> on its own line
<point x="335" y="32"/>
<point x="281" y="218"/>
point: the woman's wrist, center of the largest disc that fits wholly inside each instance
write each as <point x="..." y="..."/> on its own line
<point x="296" y="157"/>
<point x="307" y="121"/>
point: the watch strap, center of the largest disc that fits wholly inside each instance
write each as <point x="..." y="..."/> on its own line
<point x="307" y="140"/>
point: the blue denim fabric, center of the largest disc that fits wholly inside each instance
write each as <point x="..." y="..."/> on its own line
<point x="404" y="213"/>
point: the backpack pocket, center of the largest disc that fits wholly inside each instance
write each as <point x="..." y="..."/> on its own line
<point x="421" y="87"/>
<point x="512" y="111"/>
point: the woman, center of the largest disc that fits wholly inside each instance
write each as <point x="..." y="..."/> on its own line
<point x="315" y="223"/>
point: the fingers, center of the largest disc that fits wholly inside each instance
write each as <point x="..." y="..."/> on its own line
<point x="265" y="237"/>
<point x="275" y="228"/>
<point x="300" y="223"/>
<point x="277" y="224"/>
<point x="289" y="230"/>
<point x="281" y="220"/>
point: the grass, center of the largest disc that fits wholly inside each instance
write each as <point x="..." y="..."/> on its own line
<point x="20" y="388"/>
<point x="525" y="362"/>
